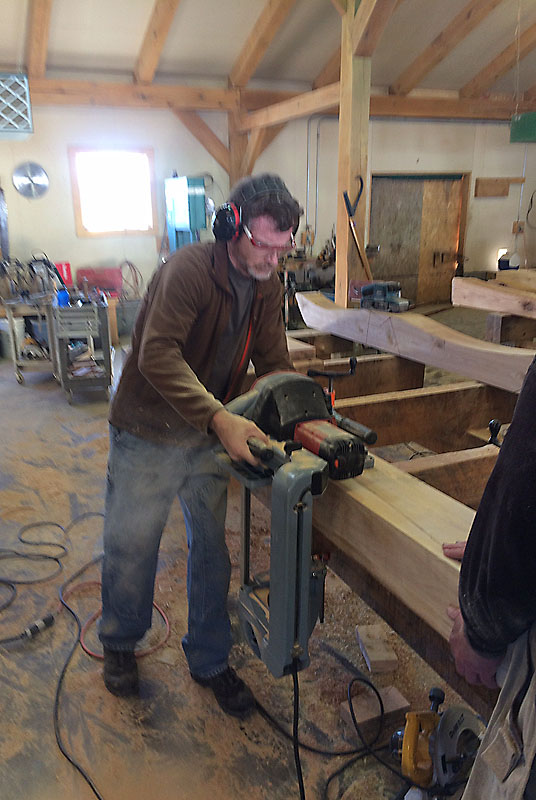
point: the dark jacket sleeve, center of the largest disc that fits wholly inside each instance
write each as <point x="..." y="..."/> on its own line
<point x="497" y="591"/>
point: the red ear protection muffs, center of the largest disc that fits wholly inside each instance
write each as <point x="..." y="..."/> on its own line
<point x="226" y="225"/>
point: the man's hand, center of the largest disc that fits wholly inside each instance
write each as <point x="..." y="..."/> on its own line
<point x="454" y="550"/>
<point x="476" y="669"/>
<point x="233" y="431"/>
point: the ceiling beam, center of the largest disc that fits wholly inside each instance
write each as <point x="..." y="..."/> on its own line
<point x="205" y="136"/>
<point x="267" y="25"/>
<point x="501" y="65"/>
<point x="154" y="40"/>
<point x="124" y="95"/>
<point x="331" y="72"/>
<point x="39" y="14"/>
<point x="252" y="151"/>
<point x="369" y="23"/>
<point x="259" y="139"/>
<point x="416" y="107"/>
<point x="443" y="44"/>
<point x="300" y="106"/>
<point x="287" y="105"/>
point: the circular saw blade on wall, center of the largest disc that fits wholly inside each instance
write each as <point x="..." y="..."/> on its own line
<point x="30" y="179"/>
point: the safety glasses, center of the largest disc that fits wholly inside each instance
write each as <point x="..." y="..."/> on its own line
<point x="278" y="248"/>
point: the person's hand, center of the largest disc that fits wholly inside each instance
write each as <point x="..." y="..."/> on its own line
<point x="476" y="669"/>
<point x="454" y="550"/>
<point x="233" y="431"/>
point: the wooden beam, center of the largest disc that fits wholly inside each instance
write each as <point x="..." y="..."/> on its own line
<point x="524" y="279"/>
<point x="352" y="158"/>
<point x="462" y="474"/>
<point x="419" y="107"/>
<point x="258" y="141"/>
<point x="437" y="417"/>
<point x="154" y="40"/>
<point x="489" y="295"/>
<point x="369" y="23"/>
<point x="374" y="374"/>
<point x="39" y="14"/>
<point x="205" y="136"/>
<point x="443" y="44"/>
<point x="331" y="72"/>
<point x="102" y="93"/>
<point x="427" y="642"/>
<point x="125" y="95"/>
<point x="339" y="6"/>
<point x="394" y="525"/>
<point x="504" y="328"/>
<point x="501" y="65"/>
<point x="265" y="29"/>
<point x="300" y="106"/>
<point x="421" y="339"/>
<point x="238" y="142"/>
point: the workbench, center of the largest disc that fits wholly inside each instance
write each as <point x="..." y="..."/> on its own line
<point x="39" y="308"/>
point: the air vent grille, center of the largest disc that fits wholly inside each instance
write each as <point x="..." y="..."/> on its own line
<point x="15" y="109"/>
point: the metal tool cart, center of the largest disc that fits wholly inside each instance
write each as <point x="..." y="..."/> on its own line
<point x="39" y="353"/>
<point x="81" y="365"/>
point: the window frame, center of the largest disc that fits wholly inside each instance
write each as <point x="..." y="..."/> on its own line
<point x="81" y="231"/>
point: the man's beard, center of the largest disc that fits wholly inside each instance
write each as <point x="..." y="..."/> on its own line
<point x="260" y="272"/>
<point x="264" y="273"/>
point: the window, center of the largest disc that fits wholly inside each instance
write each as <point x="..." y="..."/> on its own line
<point x="113" y="191"/>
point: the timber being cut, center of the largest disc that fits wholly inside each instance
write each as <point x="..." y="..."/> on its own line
<point x="393" y="525"/>
<point x="420" y="339"/>
<point x="383" y="532"/>
<point x="493" y="296"/>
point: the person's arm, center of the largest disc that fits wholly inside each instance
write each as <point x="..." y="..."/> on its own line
<point x="474" y="667"/>
<point x="233" y="432"/>
<point x="178" y="299"/>
<point x="497" y="588"/>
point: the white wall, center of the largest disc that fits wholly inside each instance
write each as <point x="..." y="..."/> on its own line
<point x="47" y="223"/>
<point x="400" y="146"/>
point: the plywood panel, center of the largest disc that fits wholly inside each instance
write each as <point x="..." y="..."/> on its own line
<point x="395" y="225"/>
<point x="441" y="209"/>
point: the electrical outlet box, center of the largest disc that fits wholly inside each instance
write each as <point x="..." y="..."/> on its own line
<point x="518" y="226"/>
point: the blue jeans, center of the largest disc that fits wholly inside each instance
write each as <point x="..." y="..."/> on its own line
<point x="142" y="480"/>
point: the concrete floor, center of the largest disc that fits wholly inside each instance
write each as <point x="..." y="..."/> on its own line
<point x="172" y="742"/>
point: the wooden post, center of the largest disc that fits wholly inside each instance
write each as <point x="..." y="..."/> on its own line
<point x="237" y="143"/>
<point x="353" y="156"/>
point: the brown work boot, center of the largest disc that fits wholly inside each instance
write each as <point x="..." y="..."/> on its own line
<point x="120" y="672"/>
<point x="232" y="694"/>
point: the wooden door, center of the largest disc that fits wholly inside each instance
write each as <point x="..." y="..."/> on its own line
<point x="416" y="221"/>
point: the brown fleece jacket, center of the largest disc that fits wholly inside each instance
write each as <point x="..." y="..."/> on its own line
<point x="163" y="390"/>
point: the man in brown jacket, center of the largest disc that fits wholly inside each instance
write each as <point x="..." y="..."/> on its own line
<point x="208" y="311"/>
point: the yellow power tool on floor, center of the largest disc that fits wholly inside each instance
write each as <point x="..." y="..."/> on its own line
<point x="437" y="748"/>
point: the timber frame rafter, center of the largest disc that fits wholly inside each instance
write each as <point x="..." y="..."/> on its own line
<point x="257" y="116"/>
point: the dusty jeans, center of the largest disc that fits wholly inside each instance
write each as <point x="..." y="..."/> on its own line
<point x="142" y="481"/>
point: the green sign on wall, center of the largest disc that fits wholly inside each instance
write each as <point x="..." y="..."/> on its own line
<point x="523" y="127"/>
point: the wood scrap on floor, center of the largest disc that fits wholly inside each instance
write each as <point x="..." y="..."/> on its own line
<point x="379" y="657"/>
<point x="367" y="712"/>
